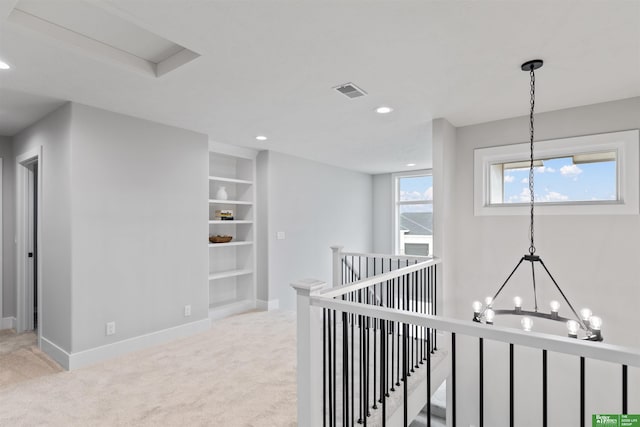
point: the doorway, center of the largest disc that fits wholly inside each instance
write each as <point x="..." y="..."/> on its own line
<point x="29" y="295"/>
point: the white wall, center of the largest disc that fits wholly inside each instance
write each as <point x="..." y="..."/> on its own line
<point x="52" y="133"/>
<point x="8" y="209"/>
<point x="593" y="258"/>
<point x="383" y="208"/>
<point x="139" y="210"/>
<point x="317" y="206"/>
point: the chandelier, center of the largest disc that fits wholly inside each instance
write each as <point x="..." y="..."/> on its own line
<point x="585" y="324"/>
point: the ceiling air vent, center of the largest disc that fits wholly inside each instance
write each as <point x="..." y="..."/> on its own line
<point x="350" y="90"/>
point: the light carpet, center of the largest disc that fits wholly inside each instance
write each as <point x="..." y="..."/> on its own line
<point x="21" y="360"/>
<point x="241" y="372"/>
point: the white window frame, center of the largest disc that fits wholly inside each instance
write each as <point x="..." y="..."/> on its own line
<point x="397" y="203"/>
<point x="625" y="144"/>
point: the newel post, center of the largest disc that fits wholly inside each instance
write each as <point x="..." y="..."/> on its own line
<point x="309" y="343"/>
<point x="337" y="265"/>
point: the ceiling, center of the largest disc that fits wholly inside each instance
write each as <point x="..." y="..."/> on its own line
<point x="268" y="68"/>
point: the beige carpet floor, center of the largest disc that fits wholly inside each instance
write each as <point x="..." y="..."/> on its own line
<point x="239" y="373"/>
<point x="21" y="360"/>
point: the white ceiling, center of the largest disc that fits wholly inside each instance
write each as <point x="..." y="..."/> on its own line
<point x="268" y="67"/>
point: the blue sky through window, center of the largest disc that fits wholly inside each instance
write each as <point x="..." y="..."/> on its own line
<point x="560" y="180"/>
<point x="416" y="188"/>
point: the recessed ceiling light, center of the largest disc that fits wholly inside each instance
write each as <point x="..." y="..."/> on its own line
<point x="4" y="65"/>
<point x="261" y="138"/>
<point x="384" y="110"/>
<point x="411" y="164"/>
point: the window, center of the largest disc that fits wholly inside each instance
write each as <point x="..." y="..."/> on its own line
<point x="595" y="174"/>
<point x="414" y="213"/>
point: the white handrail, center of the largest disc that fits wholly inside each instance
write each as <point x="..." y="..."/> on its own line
<point x="372" y="255"/>
<point x="383" y="277"/>
<point x="600" y="351"/>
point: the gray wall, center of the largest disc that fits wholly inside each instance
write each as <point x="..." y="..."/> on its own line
<point x="124" y="221"/>
<point x="52" y="133"/>
<point x="593" y="258"/>
<point x="8" y="212"/>
<point x="139" y="226"/>
<point x="262" y="222"/>
<point x="317" y="206"/>
<point x="383" y="208"/>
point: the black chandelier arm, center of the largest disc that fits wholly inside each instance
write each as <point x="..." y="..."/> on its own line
<point x="529" y="313"/>
<point x="502" y="287"/>
<point x="580" y="321"/>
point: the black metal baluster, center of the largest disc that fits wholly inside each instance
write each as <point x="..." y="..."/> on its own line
<point x="393" y="336"/>
<point x="400" y="302"/>
<point x="481" y="385"/>
<point x="416" y="309"/>
<point x="335" y="375"/>
<point x="365" y="399"/>
<point x="511" y="384"/>
<point x="330" y="366"/>
<point x="544" y="389"/>
<point x="361" y="363"/>
<point x="353" y="367"/>
<point x="582" y="415"/>
<point x="453" y="379"/>
<point x="405" y="368"/>
<point x="324" y="367"/>
<point x="383" y="370"/>
<point x="375" y="358"/>
<point x="428" y="382"/>
<point x="345" y="370"/>
<point x="624" y="389"/>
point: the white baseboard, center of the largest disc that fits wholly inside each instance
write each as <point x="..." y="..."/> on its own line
<point x="8" y="323"/>
<point x="55" y="352"/>
<point x="98" y="354"/>
<point x="270" y="305"/>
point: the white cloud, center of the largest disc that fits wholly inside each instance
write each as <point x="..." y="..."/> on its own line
<point x="416" y="195"/>
<point x="509" y="178"/>
<point x="524" y="181"/>
<point x="549" y="196"/>
<point x="571" y="171"/>
<point x="554" y="196"/>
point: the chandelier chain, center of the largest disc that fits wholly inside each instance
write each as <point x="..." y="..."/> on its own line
<point x="532" y="247"/>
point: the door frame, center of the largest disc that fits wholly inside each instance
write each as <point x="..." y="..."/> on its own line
<point x="24" y="297"/>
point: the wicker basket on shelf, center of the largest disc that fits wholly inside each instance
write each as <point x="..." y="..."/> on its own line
<point x="220" y="239"/>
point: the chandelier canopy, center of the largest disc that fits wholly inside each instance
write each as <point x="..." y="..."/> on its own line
<point x="588" y="325"/>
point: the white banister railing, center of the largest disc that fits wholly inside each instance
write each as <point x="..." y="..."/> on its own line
<point x="388" y="323"/>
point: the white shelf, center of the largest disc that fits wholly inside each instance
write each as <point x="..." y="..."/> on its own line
<point x="215" y="245"/>
<point x="229" y="273"/>
<point x="233" y="180"/>
<point x="222" y="309"/>
<point x="229" y="202"/>
<point x="232" y="279"/>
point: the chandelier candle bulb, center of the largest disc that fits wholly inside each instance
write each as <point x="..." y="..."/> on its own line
<point x="477" y="308"/>
<point x="585" y="314"/>
<point x="489" y="315"/>
<point x="555" y="306"/>
<point x="526" y="323"/>
<point x="488" y="301"/>
<point x="573" y="327"/>
<point x="517" y="301"/>
<point x="595" y="322"/>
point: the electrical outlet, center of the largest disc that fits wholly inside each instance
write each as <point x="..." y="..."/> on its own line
<point x="187" y="310"/>
<point x="280" y="235"/>
<point x="111" y="328"/>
